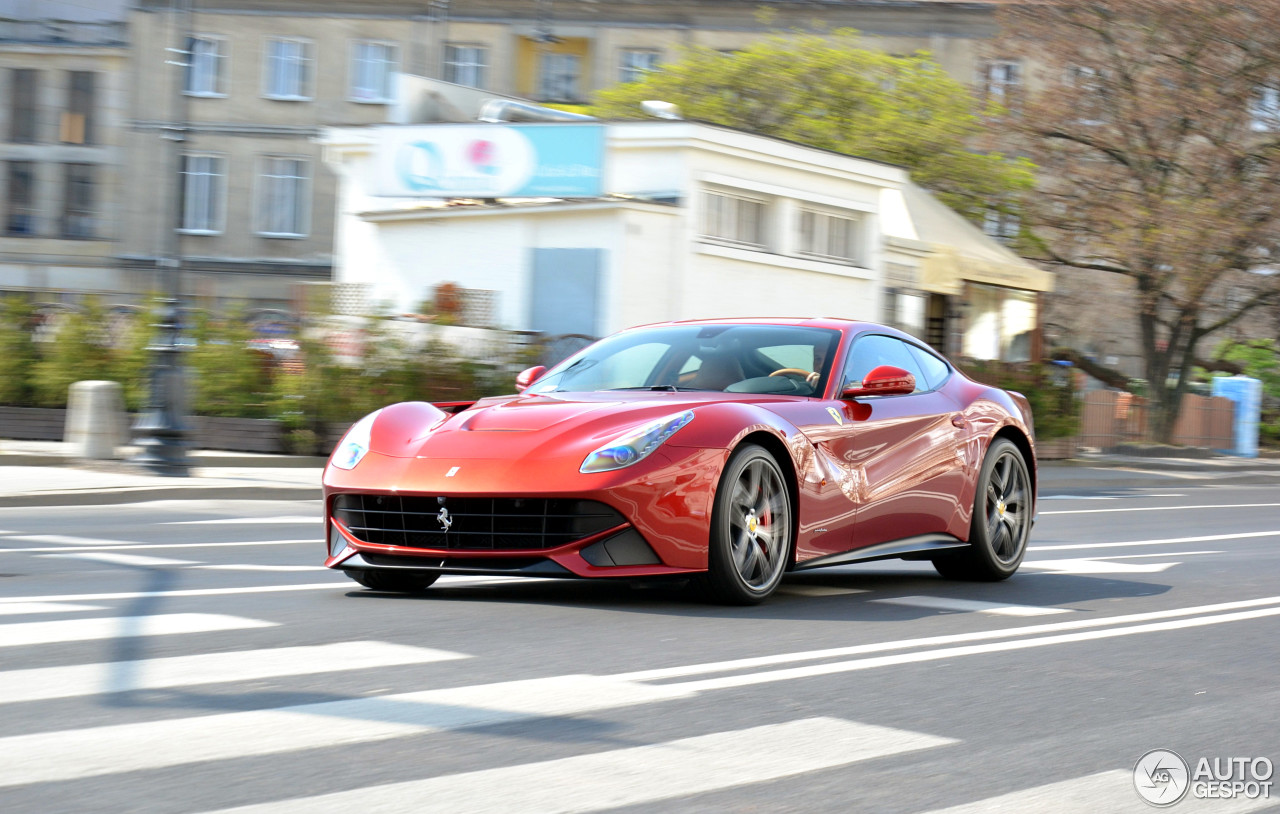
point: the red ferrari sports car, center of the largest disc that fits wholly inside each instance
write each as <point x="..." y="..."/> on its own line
<point x="727" y="450"/>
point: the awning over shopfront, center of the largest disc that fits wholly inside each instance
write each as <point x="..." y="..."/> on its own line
<point x="958" y="250"/>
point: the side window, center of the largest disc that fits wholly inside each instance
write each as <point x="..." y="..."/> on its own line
<point x="935" y="370"/>
<point x="870" y="352"/>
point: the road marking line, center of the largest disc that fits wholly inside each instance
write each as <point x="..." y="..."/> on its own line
<point x="1085" y="566"/>
<point x="930" y="641"/>
<point x="315" y="541"/>
<point x="246" y="521"/>
<point x="1160" y="554"/>
<point x="633" y="776"/>
<point x="83" y="630"/>
<point x="20" y="608"/>
<point x="133" y="560"/>
<point x="1104" y="791"/>
<point x="79" y="753"/>
<point x="1247" y="535"/>
<point x="1167" y="508"/>
<point x="970" y="605"/>
<point x="818" y="590"/>
<point x="44" y="683"/>
<point x="65" y="540"/>
<point x="793" y="673"/>
<point x="253" y="567"/>
<point x="337" y="584"/>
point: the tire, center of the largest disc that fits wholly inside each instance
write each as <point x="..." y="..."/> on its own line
<point x="1001" y="522"/>
<point x="399" y="582"/>
<point x="751" y="529"/>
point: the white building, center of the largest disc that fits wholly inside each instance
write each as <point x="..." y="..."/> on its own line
<point x="659" y="220"/>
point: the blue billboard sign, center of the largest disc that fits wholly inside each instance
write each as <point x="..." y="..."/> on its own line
<point x="490" y="161"/>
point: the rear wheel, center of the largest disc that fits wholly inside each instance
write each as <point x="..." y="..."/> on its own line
<point x="1001" y="522"/>
<point x="750" y="529"/>
<point x="401" y="582"/>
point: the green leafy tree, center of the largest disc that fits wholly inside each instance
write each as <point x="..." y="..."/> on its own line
<point x="17" y="352"/>
<point x="829" y="91"/>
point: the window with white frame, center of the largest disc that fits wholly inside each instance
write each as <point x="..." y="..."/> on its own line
<point x="1264" y="111"/>
<point x="734" y="218"/>
<point x="288" y="69"/>
<point x="828" y="235"/>
<point x="1002" y="82"/>
<point x="465" y="65"/>
<point x="372" y="64"/>
<point x="206" y="66"/>
<point x="203" y="192"/>
<point x="558" y="77"/>
<point x="283" y="186"/>
<point x="634" y="63"/>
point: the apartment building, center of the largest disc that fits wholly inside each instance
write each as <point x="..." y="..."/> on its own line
<point x="248" y="84"/>
<point x="63" y="90"/>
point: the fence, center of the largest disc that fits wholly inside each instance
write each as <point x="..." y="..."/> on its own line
<point x="1110" y="418"/>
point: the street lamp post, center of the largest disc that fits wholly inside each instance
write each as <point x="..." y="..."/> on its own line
<point x="161" y="429"/>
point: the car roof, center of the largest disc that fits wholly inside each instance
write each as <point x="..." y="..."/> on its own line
<point x="834" y="323"/>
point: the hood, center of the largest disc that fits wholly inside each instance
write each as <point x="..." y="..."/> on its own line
<point x="544" y="426"/>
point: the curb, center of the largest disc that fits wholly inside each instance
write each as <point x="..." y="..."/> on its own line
<point x="247" y="461"/>
<point x="145" y="494"/>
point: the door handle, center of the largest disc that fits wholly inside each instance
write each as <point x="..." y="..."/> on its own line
<point x="958" y="421"/>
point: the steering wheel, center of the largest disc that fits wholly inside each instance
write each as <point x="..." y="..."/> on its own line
<point x="808" y="375"/>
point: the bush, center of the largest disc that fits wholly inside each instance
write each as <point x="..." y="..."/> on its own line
<point x="231" y="378"/>
<point x="80" y="350"/>
<point x="1054" y="405"/>
<point x="17" y="352"/>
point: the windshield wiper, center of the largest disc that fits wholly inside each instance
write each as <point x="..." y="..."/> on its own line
<point x="667" y="387"/>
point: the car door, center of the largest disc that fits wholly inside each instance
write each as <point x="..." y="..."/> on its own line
<point x="903" y="452"/>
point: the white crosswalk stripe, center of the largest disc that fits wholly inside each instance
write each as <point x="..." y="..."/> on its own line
<point x="45" y="683"/>
<point x="1105" y="791"/>
<point x="80" y="753"/>
<point x="28" y="608"/>
<point x="81" y="630"/>
<point x="622" y="777"/>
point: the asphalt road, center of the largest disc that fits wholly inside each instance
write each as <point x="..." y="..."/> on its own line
<point x="190" y="657"/>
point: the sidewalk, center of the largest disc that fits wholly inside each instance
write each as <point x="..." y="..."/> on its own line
<point x="41" y="474"/>
<point x="36" y="473"/>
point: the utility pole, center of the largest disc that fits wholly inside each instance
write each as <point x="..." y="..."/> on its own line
<point x="161" y="428"/>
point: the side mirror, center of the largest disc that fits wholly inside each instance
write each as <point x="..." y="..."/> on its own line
<point x="527" y="377"/>
<point x="885" y="380"/>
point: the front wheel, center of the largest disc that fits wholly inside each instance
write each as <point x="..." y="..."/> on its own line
<point x="750" y="541"/>
<point x="399" y="582"/>
<point x="1001" y="522"/>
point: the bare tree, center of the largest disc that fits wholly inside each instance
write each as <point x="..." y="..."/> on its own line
<point x="1156" y="127"/>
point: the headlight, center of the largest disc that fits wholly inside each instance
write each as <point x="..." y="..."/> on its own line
<point x="636" y="445"/>
<point x="355" y="443"/>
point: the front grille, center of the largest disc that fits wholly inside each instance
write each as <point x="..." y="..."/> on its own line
<point x="474" y="523"/>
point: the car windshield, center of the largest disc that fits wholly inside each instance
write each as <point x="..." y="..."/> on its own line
<point x="765" y="359"/>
